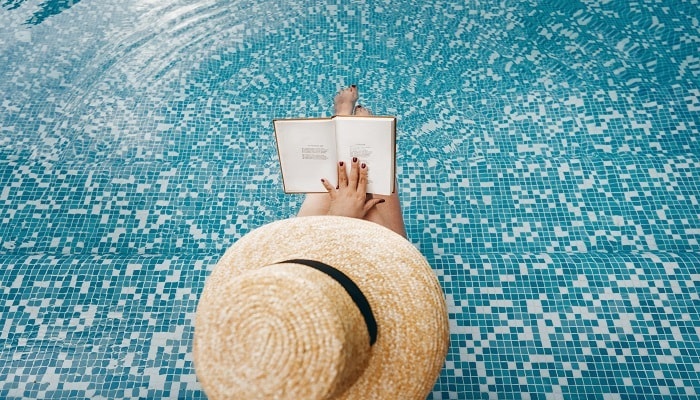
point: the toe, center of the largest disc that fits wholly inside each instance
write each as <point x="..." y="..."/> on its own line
<point x="359" y="110"/>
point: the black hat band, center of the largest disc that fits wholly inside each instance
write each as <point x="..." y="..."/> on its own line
<point x="350" y="287"/>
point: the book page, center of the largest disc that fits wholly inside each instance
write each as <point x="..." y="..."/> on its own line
<point x="307" y="152"/>
<point x="373" y="141"/>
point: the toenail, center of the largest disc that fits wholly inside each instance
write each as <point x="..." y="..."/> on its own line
<point x="354" y="159"/>
<point x="353" y="86"/>
<point x="359" y="106"/>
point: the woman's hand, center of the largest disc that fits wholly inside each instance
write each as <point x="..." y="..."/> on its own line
<point x="349" y="199"/>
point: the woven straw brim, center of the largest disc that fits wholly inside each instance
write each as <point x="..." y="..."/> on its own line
<point x="402" y="290"/>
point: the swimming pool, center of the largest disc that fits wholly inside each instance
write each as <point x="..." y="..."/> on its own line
<point x="548" y="171"/>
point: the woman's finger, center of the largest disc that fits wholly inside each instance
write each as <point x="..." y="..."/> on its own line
<point x="354" y="173"/>
<point x="328" y="186"/>
<point x="342" y="175"/>
<point x="371" y="203"/>
<point x="363" y="179"/>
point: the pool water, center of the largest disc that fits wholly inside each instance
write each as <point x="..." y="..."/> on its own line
<point x="548" y="167"/>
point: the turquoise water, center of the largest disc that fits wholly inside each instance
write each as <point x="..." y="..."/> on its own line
<point x="548" y="167"/>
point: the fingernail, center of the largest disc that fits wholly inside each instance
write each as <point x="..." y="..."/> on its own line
<point x="341" y="163"/>
<point x="363" y="165"/>
<point x="354" y="159"/>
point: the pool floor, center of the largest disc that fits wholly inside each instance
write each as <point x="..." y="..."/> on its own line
<point x="549" y="155"/>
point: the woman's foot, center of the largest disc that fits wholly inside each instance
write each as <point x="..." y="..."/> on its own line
<point x="345" y="100"/>
<point x="362" y="111"/>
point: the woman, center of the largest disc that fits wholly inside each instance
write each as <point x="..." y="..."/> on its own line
<point x="350" y="198"/>
<point x="324" y="307"/>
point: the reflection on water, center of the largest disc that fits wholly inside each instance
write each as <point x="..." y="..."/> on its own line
<point x="46" y="9"/>
<point x="11" y="5"/>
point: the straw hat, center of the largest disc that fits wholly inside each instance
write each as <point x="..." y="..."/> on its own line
<point x="321" y="308"/>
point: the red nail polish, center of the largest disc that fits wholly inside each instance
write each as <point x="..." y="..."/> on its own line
<point x="341" y="163"/>
<point x="323" y="180"/>
<point x="363" y="165"/>
<point x="354" y="159"/>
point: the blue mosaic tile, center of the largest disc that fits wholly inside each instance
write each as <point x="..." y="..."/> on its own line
<point x="548" y="163"/>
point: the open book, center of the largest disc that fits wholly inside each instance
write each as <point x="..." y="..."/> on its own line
<point x="310" y="149"/>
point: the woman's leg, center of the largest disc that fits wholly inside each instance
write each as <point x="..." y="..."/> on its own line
<point x="387" y="214"/>
<point x="315" y="204"/>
